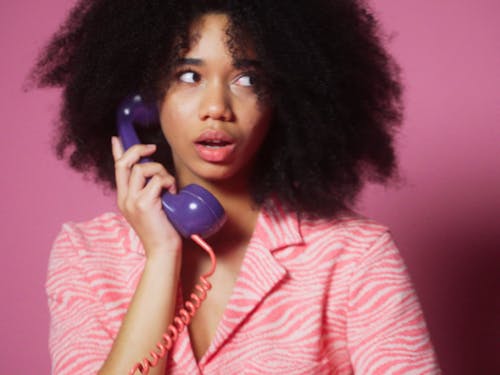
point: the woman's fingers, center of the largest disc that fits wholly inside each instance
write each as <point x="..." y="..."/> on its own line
<point x="140" y="173"/>
<point x="116" y="148"/>
<point x="154" y="188"/>
<point x="124" y="161"/>
<point x="138" y="184"/>
<point x="121" y="175"/>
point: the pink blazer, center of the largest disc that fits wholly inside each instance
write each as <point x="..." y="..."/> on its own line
<point x="312" y="297"/>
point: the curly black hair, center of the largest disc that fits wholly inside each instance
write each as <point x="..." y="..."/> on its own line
<point x="335" y="90"/>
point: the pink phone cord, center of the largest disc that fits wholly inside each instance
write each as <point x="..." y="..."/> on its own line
<point x="183" y="317"/>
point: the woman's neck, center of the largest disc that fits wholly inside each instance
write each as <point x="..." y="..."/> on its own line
<point x="241" y="212"/>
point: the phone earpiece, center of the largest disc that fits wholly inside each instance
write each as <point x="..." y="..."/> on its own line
<point x="134" y="109"/>
<point x="194" y="210"/>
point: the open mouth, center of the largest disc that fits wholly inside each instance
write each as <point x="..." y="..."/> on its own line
<point x="214" y="139"/>
<point x="213" y="143"/>
<point x="215" y="146"/>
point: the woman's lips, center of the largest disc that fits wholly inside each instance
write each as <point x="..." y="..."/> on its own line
<point x="214" y="146"/>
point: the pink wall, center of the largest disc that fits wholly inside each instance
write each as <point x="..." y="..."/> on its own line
<point x="444" y="214"/>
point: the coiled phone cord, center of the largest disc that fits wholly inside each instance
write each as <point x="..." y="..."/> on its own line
<point x="182" y="318"/>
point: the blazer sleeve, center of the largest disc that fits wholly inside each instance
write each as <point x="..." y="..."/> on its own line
<point x="78" y="340"/>
<point x="386" y="330"/>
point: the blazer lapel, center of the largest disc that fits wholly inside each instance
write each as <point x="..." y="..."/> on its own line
<point x="260" y="273"/>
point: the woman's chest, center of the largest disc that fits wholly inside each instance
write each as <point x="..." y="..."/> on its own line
<point x="211" y="297"/>
<point x="285" y="326"/>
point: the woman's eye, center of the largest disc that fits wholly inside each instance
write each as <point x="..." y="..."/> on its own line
<point x="246" y="80"/>
<point x="189" y="77"/>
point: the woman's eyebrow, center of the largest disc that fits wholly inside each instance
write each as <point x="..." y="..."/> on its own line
<point x="188" y="61"/>
<point x="238" y="63"/>
<point x="247" y="63"/>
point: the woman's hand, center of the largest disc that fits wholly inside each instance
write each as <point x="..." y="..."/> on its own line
<point x="139" y="187"/>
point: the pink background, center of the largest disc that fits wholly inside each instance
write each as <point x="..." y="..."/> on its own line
<point x="445" y="214"/>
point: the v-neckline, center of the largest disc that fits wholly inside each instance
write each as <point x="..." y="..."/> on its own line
<point x="260" y="272"/>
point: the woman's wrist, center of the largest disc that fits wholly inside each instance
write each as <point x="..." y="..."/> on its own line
<point x="164" y="251"/>
<point x="162" y="258"/>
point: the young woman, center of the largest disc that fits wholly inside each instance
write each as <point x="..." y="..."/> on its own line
<point x="281" y="110"/>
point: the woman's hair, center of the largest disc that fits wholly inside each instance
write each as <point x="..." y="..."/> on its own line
<point x="334" y="89"/>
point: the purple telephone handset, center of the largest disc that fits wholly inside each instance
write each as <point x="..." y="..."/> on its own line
<point x="194" y="210"/>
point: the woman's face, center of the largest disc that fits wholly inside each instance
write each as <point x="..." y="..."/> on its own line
<point x="211" y="114"/>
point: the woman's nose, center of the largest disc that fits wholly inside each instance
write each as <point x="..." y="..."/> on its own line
<point x="216" y="103"/>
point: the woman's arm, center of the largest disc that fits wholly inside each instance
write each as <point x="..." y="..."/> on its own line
<point x="151" y="310"/>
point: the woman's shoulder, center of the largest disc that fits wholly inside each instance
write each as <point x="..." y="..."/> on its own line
<point x="104" y="221"/>
<point x="108" y="234"/>
<point x="347" y="227"/>
<point x="343" y="234"/>
<point x="94" y="250"/>
<point x="344" y="225"/>
<point x="347" y="234"/>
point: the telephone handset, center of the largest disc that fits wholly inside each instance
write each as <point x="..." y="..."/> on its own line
<point x="194" y="210"/>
